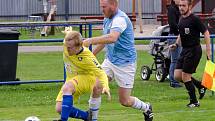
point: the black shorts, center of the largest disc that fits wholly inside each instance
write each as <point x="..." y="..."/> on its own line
<point x="189" y="59"/>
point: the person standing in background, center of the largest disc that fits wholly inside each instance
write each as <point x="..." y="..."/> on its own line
<point x="173" y="14"/>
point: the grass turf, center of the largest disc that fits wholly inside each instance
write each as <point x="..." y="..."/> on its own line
<point x="20" y="101"/>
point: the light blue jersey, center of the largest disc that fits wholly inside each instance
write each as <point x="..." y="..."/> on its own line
<point x="122" y="52"/>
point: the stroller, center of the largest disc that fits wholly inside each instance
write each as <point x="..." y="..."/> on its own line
<point x="159" y="49"/>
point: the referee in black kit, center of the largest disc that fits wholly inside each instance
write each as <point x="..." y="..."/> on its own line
<point x="190" y="28"/>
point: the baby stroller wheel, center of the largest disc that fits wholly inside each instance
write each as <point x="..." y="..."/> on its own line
<point x="145" y="72"/>
<point x="160" y="74"/>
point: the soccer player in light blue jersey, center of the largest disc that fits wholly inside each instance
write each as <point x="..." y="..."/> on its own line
<point x="120" y="61"/>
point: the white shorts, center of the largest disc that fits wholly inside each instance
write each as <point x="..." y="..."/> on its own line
<point x="124" y="76"/>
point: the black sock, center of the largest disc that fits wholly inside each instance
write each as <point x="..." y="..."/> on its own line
<point x="196" y="83"/>
<point x="191" y="91"/>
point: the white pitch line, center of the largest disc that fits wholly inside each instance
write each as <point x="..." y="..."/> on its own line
<point x="167" y="112"/>
<point x="133" y="114"/>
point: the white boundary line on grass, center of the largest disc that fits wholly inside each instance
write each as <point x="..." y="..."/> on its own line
<point x="182" y="111"/>
<point x="178" y="111"/>
<point x="133" y="114"/>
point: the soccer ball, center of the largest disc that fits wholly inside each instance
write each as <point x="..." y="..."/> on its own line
<point x="32" y="118"/>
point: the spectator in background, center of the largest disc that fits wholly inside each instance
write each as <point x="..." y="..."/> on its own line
<point x="173" y="19"/>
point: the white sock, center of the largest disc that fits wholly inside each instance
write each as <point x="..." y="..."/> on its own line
<point x="138" y="104"/>
<point x="94" y="104"/>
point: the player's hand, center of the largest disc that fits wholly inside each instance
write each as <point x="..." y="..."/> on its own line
<point x="87" y="42"/>
<point x="172" y="46"/>
<point x="107" y="92"/>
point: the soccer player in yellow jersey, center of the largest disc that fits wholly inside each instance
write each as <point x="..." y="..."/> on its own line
<point x="84" y="74"/>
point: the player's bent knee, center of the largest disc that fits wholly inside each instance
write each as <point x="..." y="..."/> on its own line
<point x="58" y="107"/>
<point x="178" y="78"/>
<point x="178" y="75"/>
<point x="97" y="90"/>
<point x="68" y="88"/>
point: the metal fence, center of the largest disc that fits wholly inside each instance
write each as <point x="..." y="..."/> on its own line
<point x="2" y="82"/>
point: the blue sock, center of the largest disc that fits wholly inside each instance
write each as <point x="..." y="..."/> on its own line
<point x="66" y="107"/>
<point x="77" y="113"/>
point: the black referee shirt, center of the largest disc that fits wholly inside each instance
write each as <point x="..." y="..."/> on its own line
<point x="189" y="30"/>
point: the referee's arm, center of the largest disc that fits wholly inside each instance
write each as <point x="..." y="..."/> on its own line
<point x="176" y="44"/>
<point x="178" y="41"/>
<point x="207" y="42"/>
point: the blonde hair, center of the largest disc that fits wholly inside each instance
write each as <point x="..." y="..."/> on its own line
<point x="74" y="36"/>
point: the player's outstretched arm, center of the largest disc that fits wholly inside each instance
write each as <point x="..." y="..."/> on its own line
<point x="98" y="49"/>
<point x="104" y="39"/>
